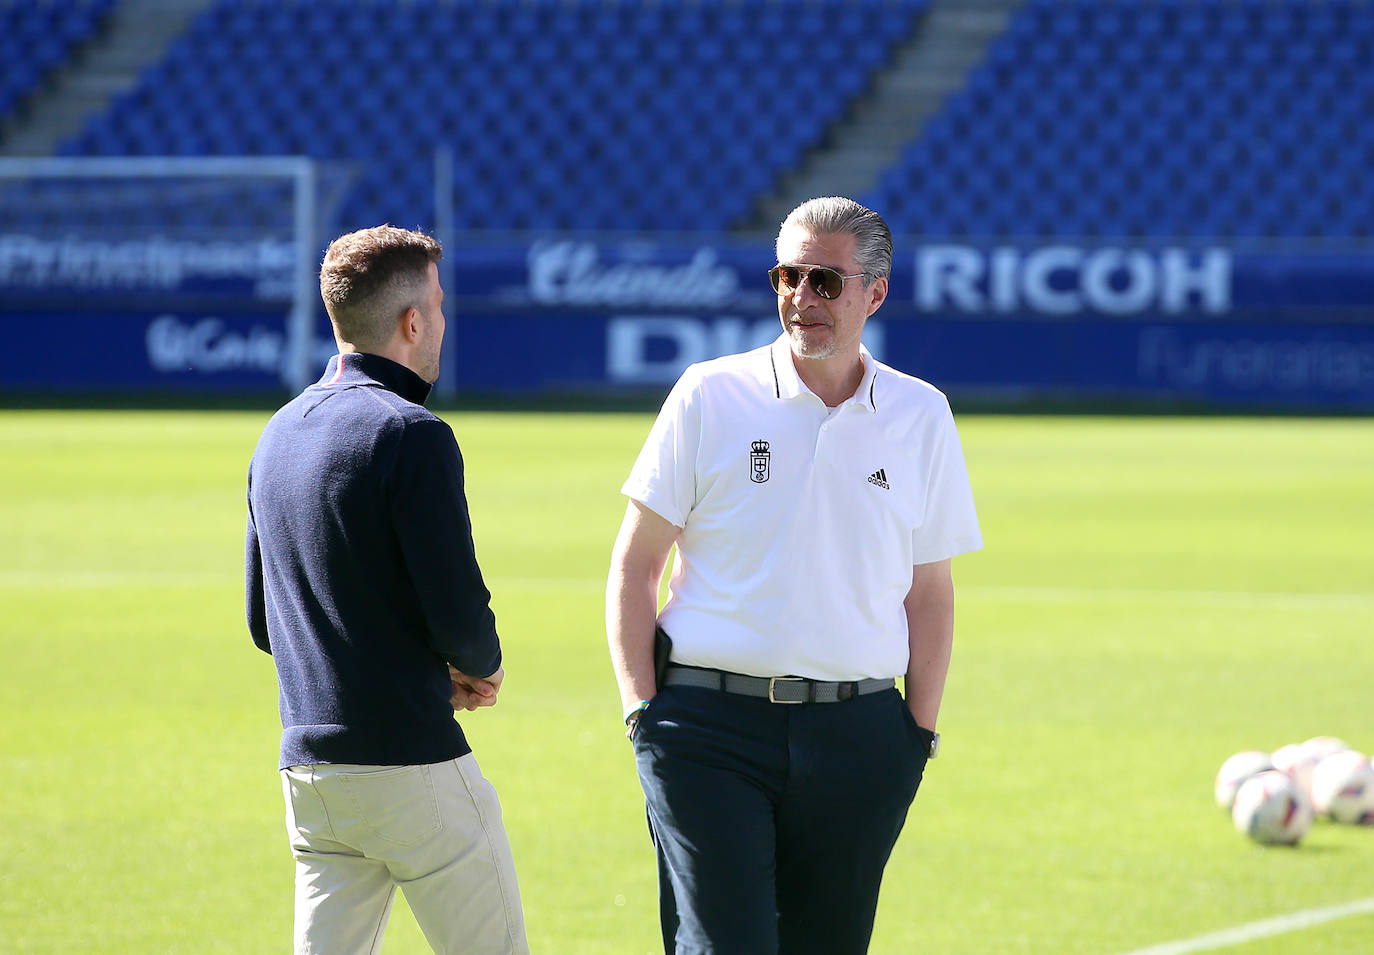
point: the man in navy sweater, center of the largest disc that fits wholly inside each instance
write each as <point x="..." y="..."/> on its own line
<point x="363" y="585"/>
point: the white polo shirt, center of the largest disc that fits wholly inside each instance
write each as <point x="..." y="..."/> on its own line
<point x="801" y="523"/>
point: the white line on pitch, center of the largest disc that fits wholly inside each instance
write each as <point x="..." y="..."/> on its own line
<point x="1292" y="922"/>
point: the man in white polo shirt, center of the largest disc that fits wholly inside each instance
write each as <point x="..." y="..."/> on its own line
<point x="816" y="497"/>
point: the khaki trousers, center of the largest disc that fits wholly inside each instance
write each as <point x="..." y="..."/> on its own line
<point x="358" y="832"/>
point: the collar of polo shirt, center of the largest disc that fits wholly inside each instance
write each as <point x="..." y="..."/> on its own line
<point x="790" y="385"/>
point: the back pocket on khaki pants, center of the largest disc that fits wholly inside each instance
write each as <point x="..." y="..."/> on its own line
<point x="397" y="805"/>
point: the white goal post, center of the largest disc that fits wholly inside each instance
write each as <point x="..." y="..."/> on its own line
<point x="180" y="182"/>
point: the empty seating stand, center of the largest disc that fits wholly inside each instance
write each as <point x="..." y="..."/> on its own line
<point x="559" y="114"/>
<point x="37" y="38"/>
<point x="1163" y="118"/>
<point x="1130" y="118"/>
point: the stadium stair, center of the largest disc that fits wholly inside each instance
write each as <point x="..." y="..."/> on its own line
<point x="1166" y="119"/>
<point x="135" y="37"/>
<point x="952" y="38"/>
<point x="559" y="114"/>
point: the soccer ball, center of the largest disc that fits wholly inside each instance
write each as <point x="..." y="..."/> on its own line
<point x="1297" y="761"/>
<point x="1324" y="746"/>
<point x="1343" y="788"/>
<point x="1271" y="809"/>
<point x="1237" y="770"/>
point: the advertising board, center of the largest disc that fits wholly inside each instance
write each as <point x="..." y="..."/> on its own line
<point x="1210" y="323"/>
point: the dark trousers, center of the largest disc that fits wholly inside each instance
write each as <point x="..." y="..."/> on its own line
<point x="773" y="822"/>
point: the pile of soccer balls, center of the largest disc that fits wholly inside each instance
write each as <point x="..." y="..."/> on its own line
<point x="1273" y="797"/>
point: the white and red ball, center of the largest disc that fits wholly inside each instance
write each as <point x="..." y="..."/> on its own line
<point x="1320" y="747"/>
<point x="1297" y="761"/>
<point x="1343" y="788"/>
<point x="1236" y="770"/>
<point x="1272" y="809"/>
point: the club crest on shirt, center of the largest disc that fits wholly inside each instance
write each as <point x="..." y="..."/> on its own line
<point x="758" y="461"/>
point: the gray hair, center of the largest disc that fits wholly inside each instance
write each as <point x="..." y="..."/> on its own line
<point x="835" y="215"/>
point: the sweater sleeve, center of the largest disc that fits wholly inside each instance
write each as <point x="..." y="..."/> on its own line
<point x="430" y="514"/>
<point x="255" y="601"/>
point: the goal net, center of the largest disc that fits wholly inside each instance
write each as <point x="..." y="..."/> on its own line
<point x="167" y="233"/>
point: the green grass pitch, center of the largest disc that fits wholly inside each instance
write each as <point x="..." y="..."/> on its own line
<point x="1155" y="594"/>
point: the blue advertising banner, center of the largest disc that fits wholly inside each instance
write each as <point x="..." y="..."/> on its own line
<point x="1202" y="323"/>
<point x="150" y="351"/>
<point x="1275" y="366"/>
<point x="240" y="273"/>
<point x="1051" y="280"/>
<point x="1207" y="323"/>
<point x="1210" y="282"/>
<point x="1317" y="366"/>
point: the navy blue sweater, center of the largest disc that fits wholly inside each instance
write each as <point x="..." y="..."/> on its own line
<point x="361" y="577"/>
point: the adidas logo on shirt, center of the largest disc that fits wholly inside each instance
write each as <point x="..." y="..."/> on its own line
<point x="879" y="477"/>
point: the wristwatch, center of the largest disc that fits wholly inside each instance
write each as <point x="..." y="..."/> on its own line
<point x="632" y="718"/>
<point x="934" y="744"/>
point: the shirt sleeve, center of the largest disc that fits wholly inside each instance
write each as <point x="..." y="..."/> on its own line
<point x="255" y="600"/>
<point x="663" y="477"/>
<point x="950" y="525"/>
<point x="430" y="514"/>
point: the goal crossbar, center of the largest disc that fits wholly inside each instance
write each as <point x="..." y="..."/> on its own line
<point x="299" y="170"/>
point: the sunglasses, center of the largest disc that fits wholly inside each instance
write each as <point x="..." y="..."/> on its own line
<point x="825" y="282"/>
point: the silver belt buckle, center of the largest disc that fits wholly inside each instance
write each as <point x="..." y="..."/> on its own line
<point x="774" y="680"/>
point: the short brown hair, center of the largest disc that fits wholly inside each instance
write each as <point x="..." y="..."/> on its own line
<point x="370" y="276"/>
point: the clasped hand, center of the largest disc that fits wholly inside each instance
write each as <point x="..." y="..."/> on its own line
<point x="470" y="692"/>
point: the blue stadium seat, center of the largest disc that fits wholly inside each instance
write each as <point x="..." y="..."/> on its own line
<point x="1113" y="104"/>
<point x="37" y="39"/>
<point x="1204" y="108"/>
<point x="632" y="101"/>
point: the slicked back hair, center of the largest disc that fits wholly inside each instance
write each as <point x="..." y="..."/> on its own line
<point x="369" y="277"/>
<point x="836" y="215"/>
